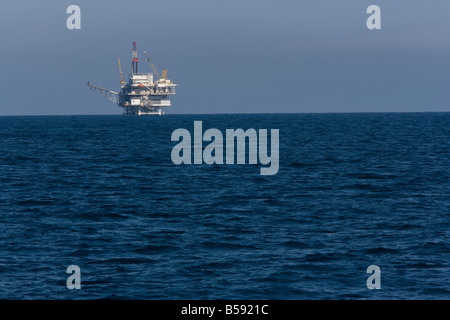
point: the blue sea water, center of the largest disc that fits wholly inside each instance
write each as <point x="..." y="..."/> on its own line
<point x="101" y="192"/>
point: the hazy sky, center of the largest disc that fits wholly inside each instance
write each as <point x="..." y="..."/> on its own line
<point x="233" y="56"/>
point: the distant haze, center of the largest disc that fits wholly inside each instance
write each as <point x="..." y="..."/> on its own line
<point x="234" y="56"/>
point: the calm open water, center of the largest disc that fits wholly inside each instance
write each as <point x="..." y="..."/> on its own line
<point x="101" y="192"/>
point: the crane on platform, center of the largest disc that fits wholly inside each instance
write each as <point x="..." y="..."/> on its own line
<point x="154" y="68"/>
<point x="121" y="75"/>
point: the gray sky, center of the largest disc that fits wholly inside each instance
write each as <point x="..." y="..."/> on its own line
<point x="234" y="56"/>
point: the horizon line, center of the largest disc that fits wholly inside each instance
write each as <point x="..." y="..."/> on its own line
<point x="239" y="113"/>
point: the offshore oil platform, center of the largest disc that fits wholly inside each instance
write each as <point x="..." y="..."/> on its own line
<point x="142" y="95"/>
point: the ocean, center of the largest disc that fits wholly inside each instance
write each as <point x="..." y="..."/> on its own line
<point x="102" y="193"/>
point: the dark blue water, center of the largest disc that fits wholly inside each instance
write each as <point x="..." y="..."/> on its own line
<point x="101" y="192"/>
